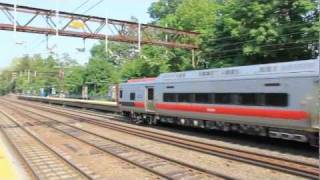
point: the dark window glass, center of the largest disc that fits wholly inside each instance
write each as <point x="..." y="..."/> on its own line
<point x="202" y="98"/>
<point x="272" y="84"/>
<point x="169" y="97"/>
<point x="223" y="98"/>
<point x="132" y="96"/>
<point x="184" y="97"/>
<point x="248" y="99"/>
<point x="276" y="99"/>
<point x="260" y="99"/>
<point x="120" y="94"/>
<point x="150" y="93"/>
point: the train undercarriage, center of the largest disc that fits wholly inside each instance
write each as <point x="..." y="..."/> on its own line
<point x="277" y="133"/>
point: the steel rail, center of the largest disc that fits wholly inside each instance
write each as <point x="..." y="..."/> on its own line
<point x="19" y="155"/>
<point x="272" y="162"/>
<point x="42" y="143"/>
<point x="205" y="171"/>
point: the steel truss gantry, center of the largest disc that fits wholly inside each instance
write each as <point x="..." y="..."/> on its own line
<point x="53" y="22"/>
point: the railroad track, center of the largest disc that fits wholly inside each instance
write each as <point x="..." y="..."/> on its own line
<point x="282" y="164"/>
<point x="41" y="161"/>
<point x="165" y="167"/>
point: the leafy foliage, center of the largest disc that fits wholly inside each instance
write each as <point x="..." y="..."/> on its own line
<point x="252" y="32"/>
<point x="233" y="32"/>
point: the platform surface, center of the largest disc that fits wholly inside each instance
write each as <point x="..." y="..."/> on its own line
<point x="10" y="168"/>
<point x="97" y="102"/>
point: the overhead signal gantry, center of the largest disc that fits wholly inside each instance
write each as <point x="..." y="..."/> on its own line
<point x="44" y="21"/>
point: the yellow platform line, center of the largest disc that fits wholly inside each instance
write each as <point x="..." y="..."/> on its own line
<point x="7" y="169"/>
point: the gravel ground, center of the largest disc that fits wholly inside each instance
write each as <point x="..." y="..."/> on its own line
<point x="221" y="165"/>
<point x="224" y="166"/>
<point x="279" y="148"/>
<point x="89" y="159"/>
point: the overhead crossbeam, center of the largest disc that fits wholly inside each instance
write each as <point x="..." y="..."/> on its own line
<point x="43" y="21"/>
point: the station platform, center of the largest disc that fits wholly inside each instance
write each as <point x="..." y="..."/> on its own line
<point x="89" y="104"/>
<point x="10" y="167"/>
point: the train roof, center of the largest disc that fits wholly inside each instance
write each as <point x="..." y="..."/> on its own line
<point x="300" y="68"/>
<point x="140" y="81"/>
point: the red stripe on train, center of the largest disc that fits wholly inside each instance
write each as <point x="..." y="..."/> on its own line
<point x="139" y="104"/>
<point x="238" y="111"/>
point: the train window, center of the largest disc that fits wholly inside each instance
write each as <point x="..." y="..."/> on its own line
<point x="276" y="99"/>
<point x="150" y="93"/>
<point x="248" y="99"/>
<point x="272" y="84"/>
<point x="120" y="93"/>
<point x="132" y="96"/>
<point x="184" y="97"/>
<point x="169" y="97"/>
<point x="260" y="99"/>
<point x="223" y="98"/>
<point x="202" y="98"/>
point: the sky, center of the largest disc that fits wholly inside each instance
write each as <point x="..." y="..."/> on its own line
<point x="16" y="45"/>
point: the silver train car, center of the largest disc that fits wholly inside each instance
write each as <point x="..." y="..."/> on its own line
<point x="279" y="100"/>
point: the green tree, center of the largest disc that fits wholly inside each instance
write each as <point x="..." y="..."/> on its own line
<point x="150" y="63"/>
<point x="192" y="15"/>
<point x="259" y="31"/>
<point x="118" y="53"/>
<point x="160" y="9"/>
<point x="99" y="75"/>
<point x="75" y="77"/>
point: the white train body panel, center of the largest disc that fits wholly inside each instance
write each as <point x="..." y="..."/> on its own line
<point x="279" y="95"/>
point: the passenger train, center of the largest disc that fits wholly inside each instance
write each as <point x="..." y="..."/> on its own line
<point x="279" y="100"/>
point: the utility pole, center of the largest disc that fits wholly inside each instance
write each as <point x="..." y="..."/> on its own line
<point x="139" y="37"/>
<point x="106" y="38"/>
<point x="29" y="76"/>
<point x="193" y="58"/>
<point x="61" y="74"/>
<point x="14" y="76"/>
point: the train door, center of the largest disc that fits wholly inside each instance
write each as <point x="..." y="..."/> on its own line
<point x="149" y="100"/>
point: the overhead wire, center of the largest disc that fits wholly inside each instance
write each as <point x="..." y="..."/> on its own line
<point x="272" y="50"/>
<point x="92" y="7"/>
<point x="267" y="50"/>
<point x="253" y="40"/>
<point x="279" y="25"/>
<point x="228" y="37"/>
<point x="80" y="6"/>
<point x="267" y="45"/>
